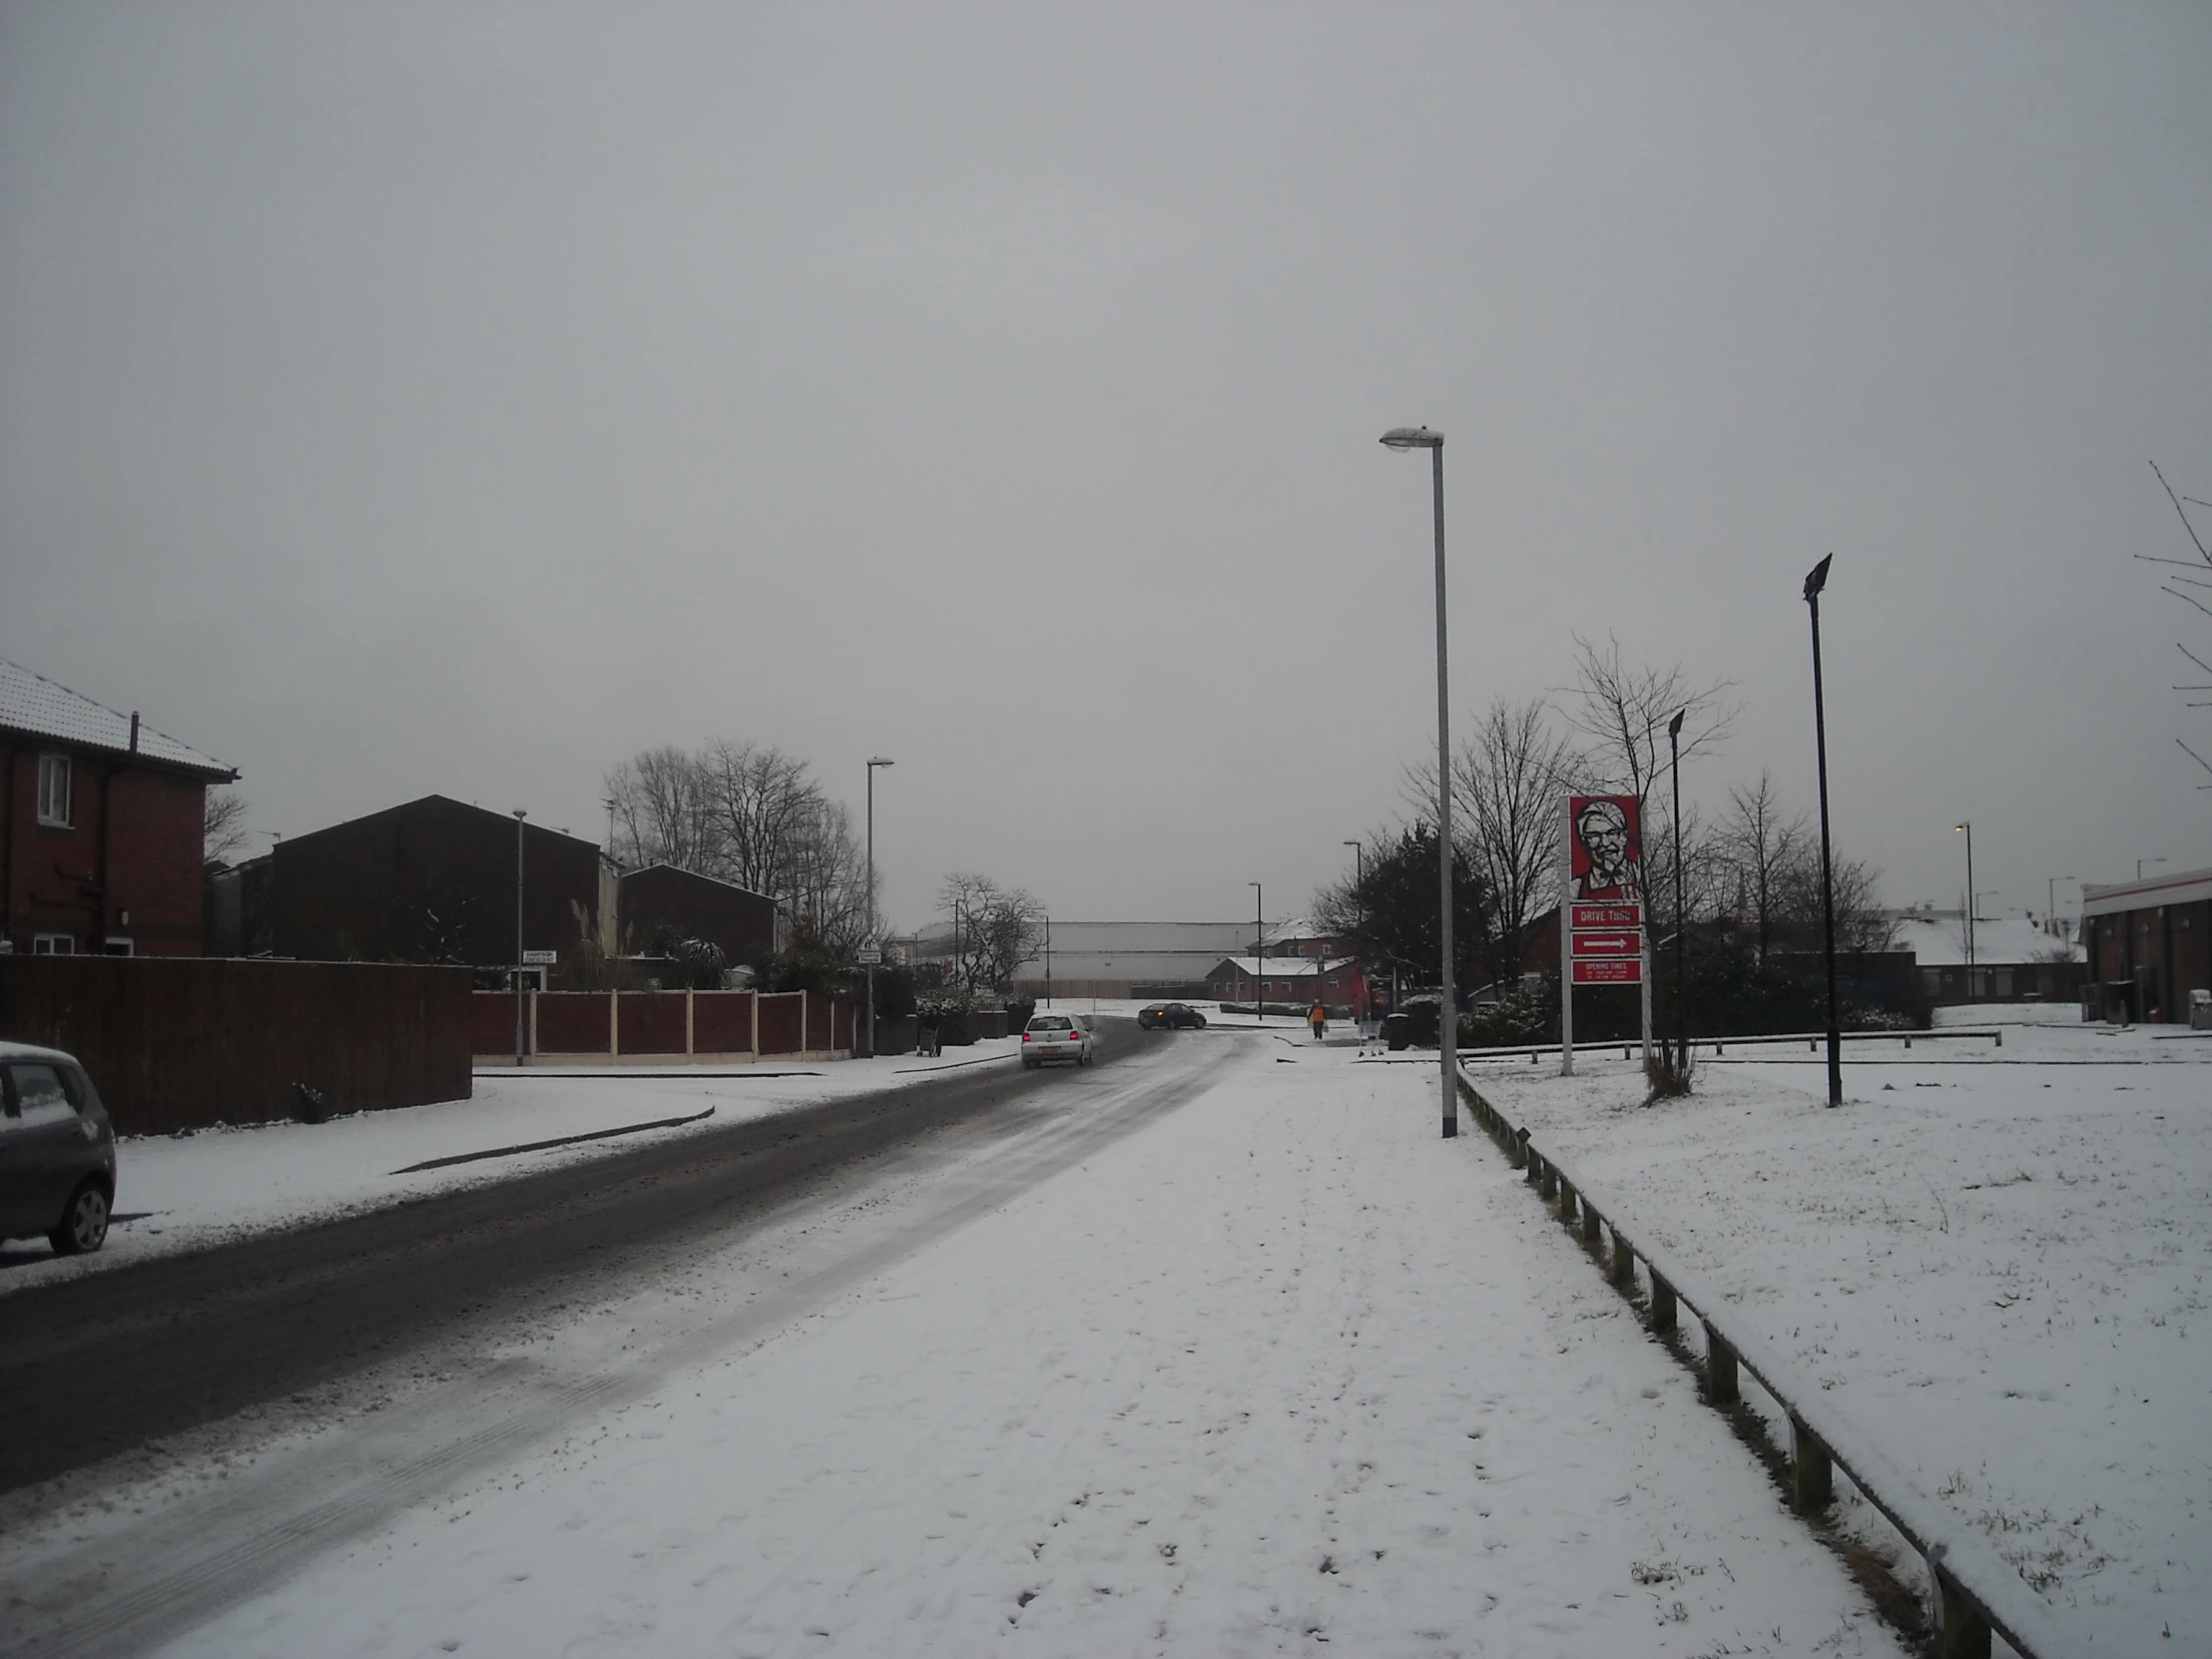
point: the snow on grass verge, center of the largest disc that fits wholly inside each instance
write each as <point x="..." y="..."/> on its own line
<point x="187" y="1192"/>
<point x="1279" y="1373"/>
<point x="1995" y="1261"/>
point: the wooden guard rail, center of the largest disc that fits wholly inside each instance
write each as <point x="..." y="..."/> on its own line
<point x="1976" y="1591"/>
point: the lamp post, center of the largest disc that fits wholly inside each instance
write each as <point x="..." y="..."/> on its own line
<point x="1048" y="961"/>
<point x="1401" y="439"/>
<point x="521" y="1032"/>
<point x="1681" y="1001"/>
<point x="1259" y="954"/>
<point x="1966" y="830"/>
<point x="1814" y="583"/>
<point x="2050" y="905"/>
<point x="879" y="761"/>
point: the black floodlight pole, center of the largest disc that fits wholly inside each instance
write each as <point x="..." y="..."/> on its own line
<point x="521" y="1031"/>
<point x="1681" y="1001"/>
<point x="1812" y="585"/>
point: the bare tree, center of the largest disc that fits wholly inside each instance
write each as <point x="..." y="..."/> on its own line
<point x="223" y="831"/>
<point x="1507" y="782"/>
<point x="1624" y="709"/>
<point x="1862" y="925"/>
<point x="824" y="879"/>
<point x="766" y="811"/>
<point x="1763" y="842"/>
<point x="663" y="812"/>
<point x="2200" y="579"/>
<point x="998" y="928"/>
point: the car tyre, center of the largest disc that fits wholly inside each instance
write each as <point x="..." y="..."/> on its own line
<point x="84" y="1225"/>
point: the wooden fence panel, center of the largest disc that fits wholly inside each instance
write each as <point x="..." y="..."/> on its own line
<point x="652" y="1022"/>
<point x="722" y="1022"/>
<point x="571" y="1022"/>
<point x="780" y="1022"/>
<point x="186" y="1043"/>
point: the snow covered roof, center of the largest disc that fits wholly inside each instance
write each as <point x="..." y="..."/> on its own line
<point x="1280" y="968"/>
<point x="1937" y="938"/>
<point x="36" y="705"/>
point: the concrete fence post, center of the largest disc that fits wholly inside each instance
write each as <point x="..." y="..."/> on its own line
<point x="614" y="1024"/>
<point x="533" y="1024"/>
<point x="690" y="1047"/>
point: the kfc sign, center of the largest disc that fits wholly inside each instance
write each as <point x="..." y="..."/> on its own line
<point x="1605" y="921"/>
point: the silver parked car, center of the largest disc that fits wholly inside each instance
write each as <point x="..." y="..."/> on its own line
<point x="57" y="1151"/>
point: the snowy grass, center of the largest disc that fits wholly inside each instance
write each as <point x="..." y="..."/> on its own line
<point x="1996" y="1260"/>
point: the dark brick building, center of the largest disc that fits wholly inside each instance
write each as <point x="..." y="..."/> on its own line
<point x="2150" y="944"/>
<point x="433" y="881"/>
<point x="662" y="898"/>
<point x="104" y="826"/>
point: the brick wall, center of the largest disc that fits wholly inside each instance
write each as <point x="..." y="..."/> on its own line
<point x="134" y="822"/>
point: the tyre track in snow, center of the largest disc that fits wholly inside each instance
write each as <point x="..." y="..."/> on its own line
<point x="897" y="1171"/>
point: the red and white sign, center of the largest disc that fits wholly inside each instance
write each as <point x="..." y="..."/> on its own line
<point x="1630" y="944"/>
<point x="1606" y="846"/>
<point x="1616" y="970"/>
<point x="1605" y="916"/>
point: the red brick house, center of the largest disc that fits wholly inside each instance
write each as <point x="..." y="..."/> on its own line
<point x="1298" y="980"/>
<point x="104" y="826"/>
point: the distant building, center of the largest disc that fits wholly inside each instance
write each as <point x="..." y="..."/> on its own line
<point x="434" y="880"/>
<point x="1302" y="937"/>
<point x="2150" y="944"/>
<point x="1298" y="980"/>
<point x="660" y="898"/>
<point x="105" y="826"/>
<point x="1120" y="959"/>
<point x="2016" y="958"/>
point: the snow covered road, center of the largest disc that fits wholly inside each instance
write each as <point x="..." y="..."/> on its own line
<point x="1280" y="1370"/>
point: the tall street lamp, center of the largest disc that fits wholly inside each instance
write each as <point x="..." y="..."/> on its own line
<point x="521" y="1034"/>
<point x="1966" y="830"/>
<point x="874" y="949"/>
<point x="1681" y="1001"/>
<point x="1401" y="439"/>
<point x="1259" y="954"/>
<point x="1814" y="582"/>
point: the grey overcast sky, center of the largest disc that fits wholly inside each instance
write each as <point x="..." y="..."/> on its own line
<point x="459" y="397"/>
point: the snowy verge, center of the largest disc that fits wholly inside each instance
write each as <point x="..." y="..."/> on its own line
<point x="186" y="1192"/>
<point x="1999" y="1263"/>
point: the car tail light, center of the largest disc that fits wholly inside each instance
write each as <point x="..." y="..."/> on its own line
<point x="1025" y="1036"/>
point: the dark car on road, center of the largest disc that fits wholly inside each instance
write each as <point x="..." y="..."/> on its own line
<point x="1170" y="1016"/>
<point x="57" y="1151"/>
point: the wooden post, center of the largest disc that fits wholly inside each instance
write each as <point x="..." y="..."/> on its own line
<point x="1961" y="1631"/>
<point x="802" y="999"/>
<point x="533" y="1024"/>
<point x="1720" y="1368"/>
<point x="1566" y="1202"/>
<point x="1590" y="1222"/>
<point x="1622" y="1268"/>
<point x="1662" y="1300"/>
<point x="1549" y="1186"/>
<point x="756" y="994"/>
<point x="1812" y="1471"/>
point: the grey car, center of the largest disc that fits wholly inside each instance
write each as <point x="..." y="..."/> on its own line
<point x="57" y="1151"/>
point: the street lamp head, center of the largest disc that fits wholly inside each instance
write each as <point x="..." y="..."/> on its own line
<point x="1969" y="824"/>
<point x="1402" y="438"/>
<point x="520" y="814"/>
<point x="1818" y="579"/>
<point x="879" y="761"/>
<point x="1674" y="725"/>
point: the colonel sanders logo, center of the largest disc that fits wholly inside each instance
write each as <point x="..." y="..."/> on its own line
<point x="1606" y="848"/>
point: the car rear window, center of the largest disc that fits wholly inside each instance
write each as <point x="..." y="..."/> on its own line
<point x="39" y="1093"/>
<point x="1049" y="1022"/>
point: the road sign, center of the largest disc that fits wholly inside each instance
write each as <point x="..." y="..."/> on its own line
<point x="1609" y="944"/>
<point x="540" y="958"/>
<point x="1605" y="916"/>
<point x="872" y="955"/>
<point x="1615" y="971"/>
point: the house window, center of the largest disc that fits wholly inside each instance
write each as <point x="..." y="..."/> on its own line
<point x="53" y="944"/>
<point x="114" y="946"/>
<point x="53" y="791"/>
